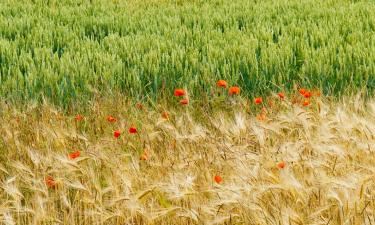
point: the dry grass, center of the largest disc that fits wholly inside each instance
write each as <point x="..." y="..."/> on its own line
<point x="328" y="177"/>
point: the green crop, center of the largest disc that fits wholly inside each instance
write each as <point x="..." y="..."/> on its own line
<point x="73" y="50"/>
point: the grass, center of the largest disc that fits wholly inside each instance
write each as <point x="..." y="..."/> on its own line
<point x="327" y="148"/>
<point x="72" y="51"/>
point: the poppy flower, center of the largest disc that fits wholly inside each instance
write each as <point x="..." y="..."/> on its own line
<point x="74" y="155"/>
<point x="133" y="130"/>
<point x="111" y="119"/>
<point x="307" y="94"/>
<point x="179" y="92"/>
<point x="50" y="182"/>
<point x="79" y="117"/>
<point x="218" y="179"/>
<point x="281" y="95"/>
<point x="165" y="115"/>
<point x="184" y="101"/>
<point x="306" y="103"/>
<point x="222" y="83"/>
<point x="234" y="90"/>
<point x="281" y="165"/>
<point x="302" y="91"/>
<point x="258" y="100"/>
<point x="116" y="133"/>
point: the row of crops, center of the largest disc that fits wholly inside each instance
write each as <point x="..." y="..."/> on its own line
<point x="69" y="51"/>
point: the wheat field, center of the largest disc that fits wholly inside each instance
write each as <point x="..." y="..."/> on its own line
<point x="327" y="150"/>
<point x="148" y="112"/>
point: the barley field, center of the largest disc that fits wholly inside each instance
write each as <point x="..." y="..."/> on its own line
<point x="173" y="112"/>
<point x="295" y="165"/>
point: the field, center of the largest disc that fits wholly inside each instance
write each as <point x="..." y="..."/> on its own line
<point x="187" y="112"/>
<point x="190" y="167"/>
<point x="71" y="51"/>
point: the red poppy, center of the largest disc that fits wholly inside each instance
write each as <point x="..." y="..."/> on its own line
<point x="222" y="83"/>
<point x="302" y="91"/>
<point x="116" y="133"/>
<point x="307" y="94"/>
<point x="218" y="179"/>
<point x="111" y="119"/>
<point x="281" y="95"/>
<point x="258" y="100"/>
<point x="50" y="182"/>
<point x="74" y="155"/>
<point x="184" y="101"/>
<point x="165" y="115"/>
<point x="79" y="117"/>
<point x="306" y="103"/>
<point x="179" y="92"/>
<point x="234" y="90"/>
<point x="133" y="130"/>
<point x="281" y="165"/>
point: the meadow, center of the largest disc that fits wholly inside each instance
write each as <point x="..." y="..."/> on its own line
<point x="187" y="112"/>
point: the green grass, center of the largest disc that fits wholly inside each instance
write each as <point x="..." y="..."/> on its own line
<point x="73" y="50"/>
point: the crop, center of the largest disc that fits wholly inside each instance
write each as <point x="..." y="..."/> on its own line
<point x="72" y="52"/>
<point x="185" y="165"/>
<point x="187" y="112"/>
